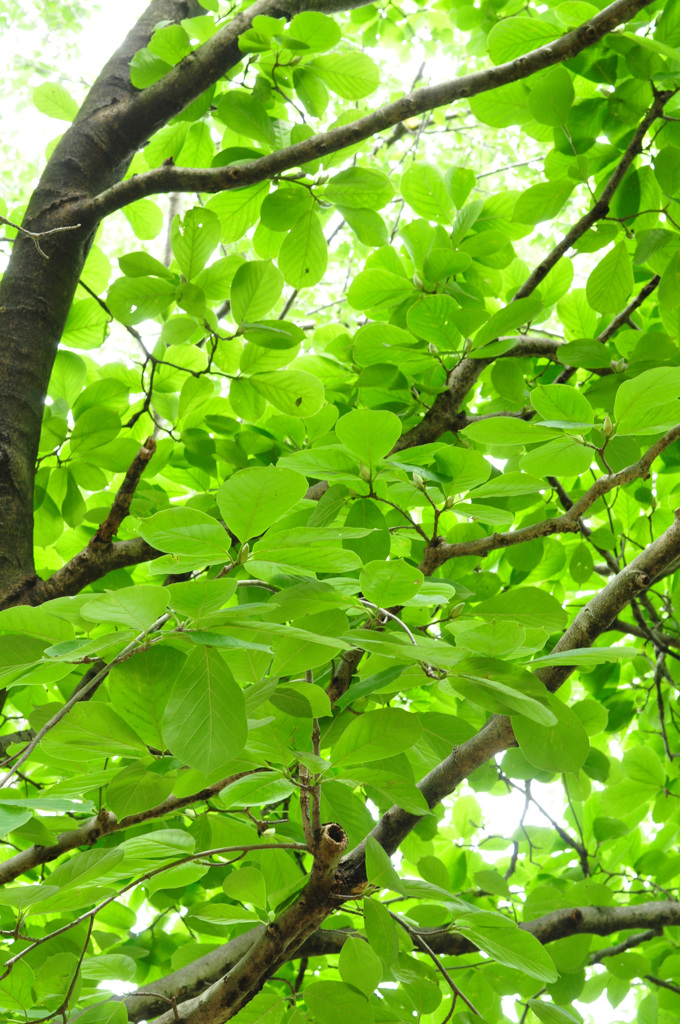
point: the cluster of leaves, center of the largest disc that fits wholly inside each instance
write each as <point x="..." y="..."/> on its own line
<point x="392" y="463"/>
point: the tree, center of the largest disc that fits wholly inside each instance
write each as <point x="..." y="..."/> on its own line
<point x="347" y="518"/>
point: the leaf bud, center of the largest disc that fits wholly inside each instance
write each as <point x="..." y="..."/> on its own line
<point x="608" y="427"/>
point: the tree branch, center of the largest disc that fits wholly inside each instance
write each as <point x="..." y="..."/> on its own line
<point x="88" y="832"/>
<point x="149" y="999"/>
<point x="178" y="179"/>
<point x="437" y="554"/>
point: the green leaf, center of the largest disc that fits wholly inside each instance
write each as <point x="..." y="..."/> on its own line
<point x="104" y="1013"/>
<point x="528" y="605"/>
<point x="294" y="392"/>
<point x="378" y="288"/>
<point x="375" y="735"/>
<point x="359" y="188"/>
<point x="551" y="98"/>
<point x="194" y="240"/>
<point x="86" y="325"/>
<point x="611" y="282"/>
<point x="507" y="432"/>
<point x="303" y="256"/>
<point x="562" y="403"/>
<point x="667" y="169"/>
<point x="637" y="400"/>
<point x="52" y="99"/>
<point x="512" y="947"/>
<point x="138" y="606"/>
<point x="94" y="729"/>
<point x="359" y="966"/>
<point x="369" y="434"/>
<point x="332" y="1001"/>
<point x="542" y="202"/>
<point x="93" y="429"/>
<point x="548" y="1013"/>
<point x="381" y="931"/>
<point x="514" y="315"/>
<point x="512" y="37"/>
<point x="139" y="689"/>
<point x="255" y="290"/>
<point x="352" y="75"/>
<point x="390" y="583"/>
<point x="505" y="689"/>
<point x="204" y="722"/>
<point x="562" y="747"/>
<point x="186" y="531"/>
<point x="423" y="188"/>
<point x="253" y="499"/>
<point x="379" y="868"/>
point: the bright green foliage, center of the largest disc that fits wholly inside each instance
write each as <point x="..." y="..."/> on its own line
<point x="406" y="444"/>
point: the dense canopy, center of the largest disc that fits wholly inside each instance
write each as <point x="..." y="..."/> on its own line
<point x="339" y="550"/>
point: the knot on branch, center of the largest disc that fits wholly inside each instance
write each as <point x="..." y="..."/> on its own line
<point x="330" y="842"/>
<point x="642" y="579"/>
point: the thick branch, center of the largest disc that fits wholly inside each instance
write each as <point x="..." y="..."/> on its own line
<point x="593" y="619"/>
<point x="275" y="944"/>
<point x="101" y="555"/>
<point x="556" y="925"/>
<point x="176" y="179"/>
<point x="437" y="554"/>
<point x="88" y="832"/>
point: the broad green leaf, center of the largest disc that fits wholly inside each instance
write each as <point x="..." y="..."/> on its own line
<point x="255" y="290"/>
<point x="293" y="392"/>
<point x="253" y="499"/>
<point x="514" y="315"/>
<point x="378" y="288"/>
<point x="194" y="240"/>
<point x="352" y="75"/>
<point x="359" y="966"/>
<point x="375" y="735"/>
<point x="204" y="722"/>
<point x="499" y="687"/>
<point x="551" y="98"/>
<point x="549" y="1013"/>
<point x="139" y="689"/>
<point x="331" y="1001"/>
<point x="381" y="931"/>
<point x="369" y="434"/>
<point x="528" y="605"/>
<point x="512" y="947"/>
<point x="507" y="432"/>
<point x="379" y="868"/>
<point x="611" y="282"/>
<point x="423" y="188"/>
<point x="138" y="606"/>
<point x="561" y="402"/>
<point x="511" y="37"/>
<point x="93" y="728"/>
<point x="93" y="429"/>
<point x="303" y="256"/>
<point x="186" y="531"/>
<point x="359" y="188"/>
<point x="390" y="583"/>
<point x="542" y="202"/>
<point x="637" y="399"/>
<point x="52" y="99"/>
<point x="562" y="747"/>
